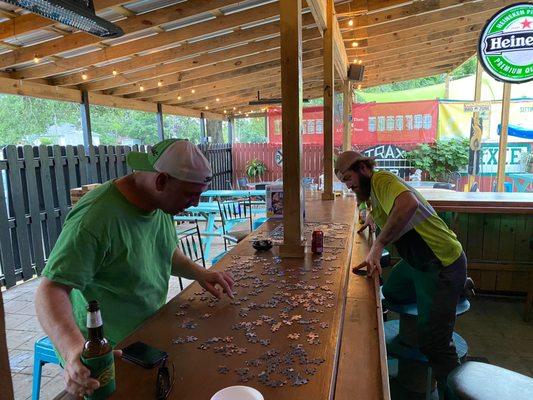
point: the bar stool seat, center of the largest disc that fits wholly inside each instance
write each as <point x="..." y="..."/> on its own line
<point x="412" y="310"/>
<point x="480" y="381"/>
<point x="397" y="348"/>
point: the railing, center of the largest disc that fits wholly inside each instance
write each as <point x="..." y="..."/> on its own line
<point x="35" y="200"/>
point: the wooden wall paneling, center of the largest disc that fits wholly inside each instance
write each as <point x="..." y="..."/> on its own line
<point x="507" y="237"/>
<point x="475" y="236"/>
<point x="491" y="236"/>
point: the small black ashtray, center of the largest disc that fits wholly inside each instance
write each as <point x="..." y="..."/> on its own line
<point x="262" y="244"/>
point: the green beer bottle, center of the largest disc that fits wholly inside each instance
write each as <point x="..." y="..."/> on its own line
<point x="97" y="354"/>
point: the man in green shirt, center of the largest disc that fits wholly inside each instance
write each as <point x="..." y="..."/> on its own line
<point x="118" y="245"/>
<point x="433" y="267"/>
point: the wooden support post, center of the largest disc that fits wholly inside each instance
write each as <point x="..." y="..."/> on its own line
<point x="159" y="120"/>
<point x="231" y="125"/>
<point x="447" y="86"/>
<point x="203" y="137"/>
<point x="329" y="93"/>
<point x="291" y="107"/>
<point x="506" y="101"/>
<point x="474" y="154"/>
<point x="86" y="121"/>
<point x="347" y="111"/>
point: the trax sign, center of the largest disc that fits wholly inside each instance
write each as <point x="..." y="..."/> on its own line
<point x="505" y="46"/>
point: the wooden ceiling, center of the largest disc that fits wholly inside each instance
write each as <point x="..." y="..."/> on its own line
<point x="213" y="56"/>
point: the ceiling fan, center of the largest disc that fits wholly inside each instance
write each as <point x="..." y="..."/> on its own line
<point x="272" y="100"/>
<point x="78" y="14"/>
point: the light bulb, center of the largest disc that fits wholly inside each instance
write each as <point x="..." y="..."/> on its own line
<point x="84" y="76"/>
<point x="36" y="59"/>
<point x="225" y="111"/>
<point x="207" y="107"/>
<point x="193" y="91"/>
<point x="217" y="99"/>
<point x="115" y="73"/>
<point x="141" y="88"/>
<point x="355" y="44"/>
<point x="360" y="61"/>
<point x="359" y="87"/>
<point x="234" y="108"/>
<point x="160" y="83"/>
<point x="179" y="97"/>
<point x="350" y="22"/>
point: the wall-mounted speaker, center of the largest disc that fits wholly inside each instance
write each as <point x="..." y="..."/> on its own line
<point x="356" y="72"/>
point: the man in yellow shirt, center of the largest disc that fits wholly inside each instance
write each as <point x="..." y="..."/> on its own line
<point x="432" y="271"/>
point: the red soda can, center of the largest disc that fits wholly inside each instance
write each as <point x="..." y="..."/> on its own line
<point x="317" y="244"/>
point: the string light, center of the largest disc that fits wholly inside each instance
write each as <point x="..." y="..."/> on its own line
<point x="359" y="87"/>
<point x="141" y="88"/>
<point x="179" y="97"/>
<point x="234" y="108"/>
<point x="36" y="59"/>
<point x="355" y="60"/>
<point x="355" y="44"/>
<point x="225" y="111"/>
<point x="360" y="62"/>
<point x="84" y="76"/>
<point x="160" y="83"/>
<point x="115" y="73"/>
<point x="217" y="99"/>
<point x="350" y="22"/>
<point x="207" y="107"/>
<point x="193" y="91"/>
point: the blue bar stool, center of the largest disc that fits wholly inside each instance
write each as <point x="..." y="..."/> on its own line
<point x="479" y="381"/>
<point x="414" y="373"/>
<point x="44" y="353"/>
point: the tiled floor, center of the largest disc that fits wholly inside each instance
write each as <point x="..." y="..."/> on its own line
<point x="493" y="328"/>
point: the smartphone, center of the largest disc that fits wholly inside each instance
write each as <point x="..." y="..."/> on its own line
<point x="144" y="355"/>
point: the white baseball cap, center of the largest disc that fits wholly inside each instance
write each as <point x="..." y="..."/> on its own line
<point x="179" y="158"/>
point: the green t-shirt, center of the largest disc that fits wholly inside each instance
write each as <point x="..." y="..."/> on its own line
<point x="426" y="239"/>
<point x="115" y="253"/>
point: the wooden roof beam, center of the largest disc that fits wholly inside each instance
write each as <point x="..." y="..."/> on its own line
<point x="318" y="10"/>
<point x="18" y="87"/>
<point x="135" y="24"/>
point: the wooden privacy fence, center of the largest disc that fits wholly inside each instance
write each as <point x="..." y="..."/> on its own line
<point x="313" y="156"/>
<point x="34" y="195"/>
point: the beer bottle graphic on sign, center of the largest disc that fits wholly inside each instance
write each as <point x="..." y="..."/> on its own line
<point x="97" y="354"/>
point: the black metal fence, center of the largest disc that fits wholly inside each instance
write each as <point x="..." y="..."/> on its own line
<point x="35" y="195"/>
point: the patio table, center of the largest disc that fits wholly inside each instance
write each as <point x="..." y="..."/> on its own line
<point x="213" y="194"/>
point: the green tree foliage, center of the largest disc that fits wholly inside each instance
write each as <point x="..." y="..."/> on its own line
<point x="440" y="158"/>
<point x="182" y="128"/>
<point x="250" y="130"/>
<point x="21" y="117"/>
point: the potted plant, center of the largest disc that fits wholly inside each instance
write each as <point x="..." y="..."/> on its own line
<point x="441" y="158"/>
<point x="255" y="168"/>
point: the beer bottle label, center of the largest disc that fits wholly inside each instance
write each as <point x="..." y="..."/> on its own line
<point x="103" y="370"/>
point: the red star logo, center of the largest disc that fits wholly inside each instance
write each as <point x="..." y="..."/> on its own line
<point x="526" y="24"/>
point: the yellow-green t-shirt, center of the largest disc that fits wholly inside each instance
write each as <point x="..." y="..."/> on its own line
<point x="426" y="238"/>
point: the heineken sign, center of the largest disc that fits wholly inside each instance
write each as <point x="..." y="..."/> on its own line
<point x="506" y="44"/>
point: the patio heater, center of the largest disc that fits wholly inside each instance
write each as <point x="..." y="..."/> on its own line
<point x="77" y="14"/>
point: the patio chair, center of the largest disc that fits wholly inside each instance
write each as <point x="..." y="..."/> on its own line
<point x="443" y="185"/>
<point x="43" y="354"/>
<point x="190" y="243"/>
<point x="242" y="183"/>
<point x="233" y="212"/>
<point x="307" y="181"/>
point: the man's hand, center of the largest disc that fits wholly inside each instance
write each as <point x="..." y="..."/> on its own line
<point x="78" y="377"/>
<point x="369" y="223"/>
<point x="210" y="279"/>
<point x="372" y="261"/>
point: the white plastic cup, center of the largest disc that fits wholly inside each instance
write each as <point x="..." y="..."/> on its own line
<point x="238" y="393"/>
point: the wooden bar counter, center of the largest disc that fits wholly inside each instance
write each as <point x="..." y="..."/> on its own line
<point x="297" y="329"/>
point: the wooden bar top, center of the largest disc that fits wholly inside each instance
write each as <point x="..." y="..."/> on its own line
<point x="293" y="323"/>
<point x="479" y="202"/>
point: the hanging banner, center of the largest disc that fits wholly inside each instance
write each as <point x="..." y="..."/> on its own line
<point x="372" y="124"/>
<point x="505" y="44"/>
<point x="394" y="123"/>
